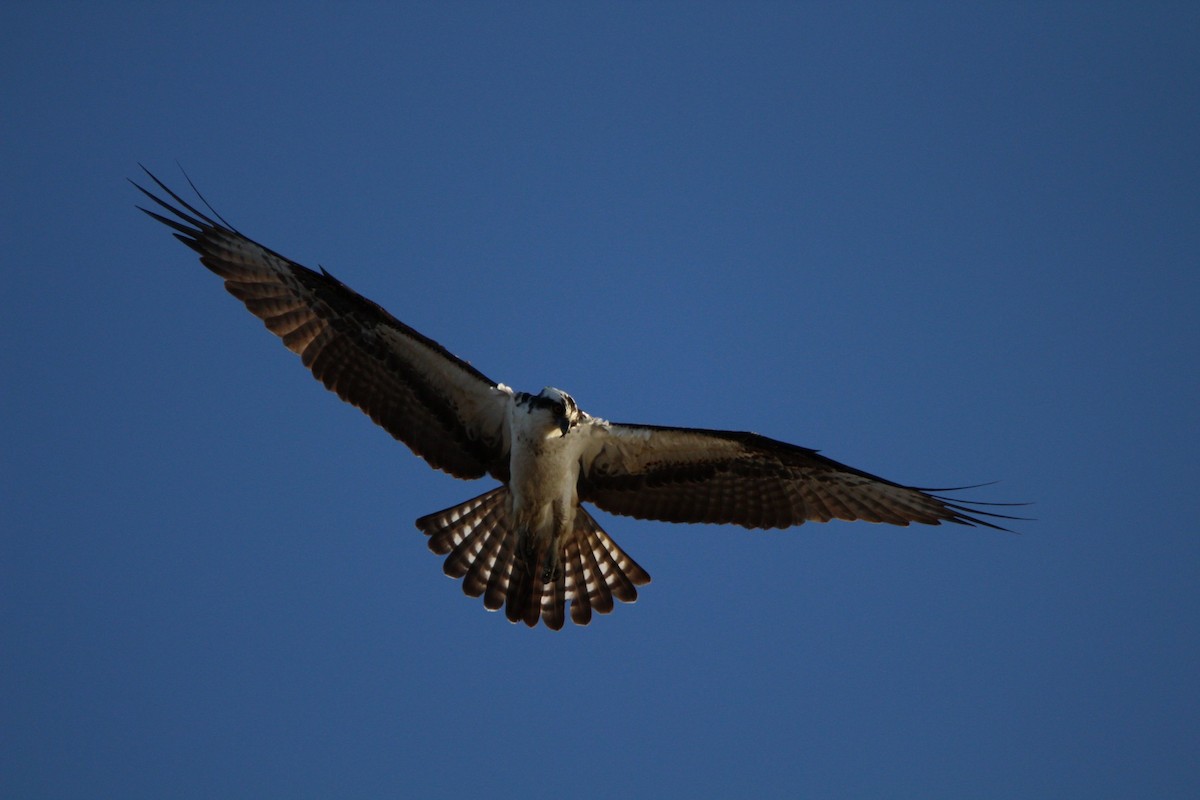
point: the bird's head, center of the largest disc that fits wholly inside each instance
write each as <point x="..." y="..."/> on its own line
<point x="561" y="407"/>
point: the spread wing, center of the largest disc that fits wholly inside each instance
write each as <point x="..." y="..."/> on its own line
<point x="447" y="411"/>
<point x="695" y="475"/>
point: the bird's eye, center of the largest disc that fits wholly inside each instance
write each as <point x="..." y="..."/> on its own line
<point x="559" y="410"/>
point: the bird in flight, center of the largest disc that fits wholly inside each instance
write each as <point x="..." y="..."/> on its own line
<point x="528" y="545"/>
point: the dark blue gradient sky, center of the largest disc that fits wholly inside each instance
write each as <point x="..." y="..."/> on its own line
<point x="945" y="243"/>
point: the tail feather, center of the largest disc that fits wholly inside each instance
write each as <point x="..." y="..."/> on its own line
<point x="475" y="582"/>
<point x="498" y="581"/>
<point x="467" y="553"/>
<point x="594" y="580"/>
<point x="483" y="547"/>
<point x="618" y="583"/>
<point x="524" y="592"/>
<point x="630" y="573"/>
<point x="447" y="529"/>
<point x="576" y="589"/>
<point x="554" y="601"/>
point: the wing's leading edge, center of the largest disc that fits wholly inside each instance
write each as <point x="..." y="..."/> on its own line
<point x="445" y="410"/>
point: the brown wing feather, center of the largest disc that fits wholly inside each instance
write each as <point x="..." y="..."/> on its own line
<point x="695" y="475"/>
<point x="447" y="411"/>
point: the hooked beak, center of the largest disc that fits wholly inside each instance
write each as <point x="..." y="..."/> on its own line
<point x="564" y="425"/>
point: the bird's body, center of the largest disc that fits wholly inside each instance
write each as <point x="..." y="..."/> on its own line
<point x="543" y="474"/>
<point x="529" y="545"/>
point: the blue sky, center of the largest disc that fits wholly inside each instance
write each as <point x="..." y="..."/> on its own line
<point x="944" y="243"/>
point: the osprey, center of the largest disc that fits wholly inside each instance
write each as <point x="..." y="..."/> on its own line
<point x="529" y="546"/>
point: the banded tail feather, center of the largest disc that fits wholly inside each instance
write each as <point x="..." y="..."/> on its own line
<point x="482" y="548"/>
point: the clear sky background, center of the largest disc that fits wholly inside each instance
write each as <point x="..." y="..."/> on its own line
<point x="945" y="243"/>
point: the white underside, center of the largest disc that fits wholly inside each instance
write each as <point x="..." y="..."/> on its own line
<point x="544" y="472"/>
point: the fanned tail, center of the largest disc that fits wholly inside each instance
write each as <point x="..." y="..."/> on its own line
<point x="482" y="547"/>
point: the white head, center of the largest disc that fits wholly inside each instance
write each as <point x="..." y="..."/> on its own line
<point x="561" y="406"/>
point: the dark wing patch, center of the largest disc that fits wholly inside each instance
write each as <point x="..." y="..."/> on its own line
<point x="447" y="411"/>
<point x="695" y="475"/>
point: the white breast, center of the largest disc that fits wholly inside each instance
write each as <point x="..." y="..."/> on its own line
<point x="544" y="471"/>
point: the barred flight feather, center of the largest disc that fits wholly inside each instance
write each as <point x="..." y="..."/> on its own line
<point x="480" y="545"/>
